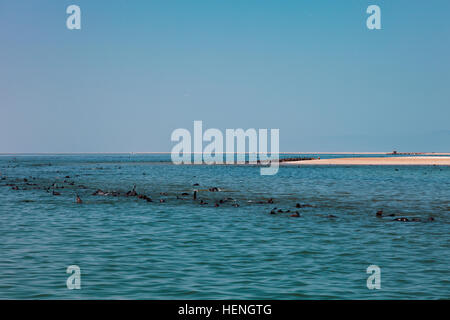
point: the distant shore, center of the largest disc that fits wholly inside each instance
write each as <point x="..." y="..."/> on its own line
<point x="164" y="152"/>
<point x="410" y="161"/>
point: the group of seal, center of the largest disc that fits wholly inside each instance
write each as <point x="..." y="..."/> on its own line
<point x="295" y="214"/>
<point x="380" y="214"/>
<point x="195" y="197"/>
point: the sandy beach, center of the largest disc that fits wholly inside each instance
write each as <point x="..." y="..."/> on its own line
<point x="410" y="161"/>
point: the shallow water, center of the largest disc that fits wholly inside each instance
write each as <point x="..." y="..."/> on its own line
<point x="130" y="248"/>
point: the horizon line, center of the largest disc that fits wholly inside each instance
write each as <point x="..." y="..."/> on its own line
<point x="281" y="152"/>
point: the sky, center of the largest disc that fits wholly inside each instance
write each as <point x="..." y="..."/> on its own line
<point x="137" y="70"/>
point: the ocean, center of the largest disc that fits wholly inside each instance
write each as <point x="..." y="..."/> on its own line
<point x="235" y="245"/>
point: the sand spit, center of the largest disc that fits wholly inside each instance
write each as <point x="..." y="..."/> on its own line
<point x="375" y="161"/>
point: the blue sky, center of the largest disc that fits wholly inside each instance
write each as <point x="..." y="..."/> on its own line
<point x="137" y="70"/>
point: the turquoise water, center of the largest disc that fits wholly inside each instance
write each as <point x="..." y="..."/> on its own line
<point x="178" y="249"/>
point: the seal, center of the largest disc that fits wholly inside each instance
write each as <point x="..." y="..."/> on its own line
<point x="132" y="193"/>
<point x="401" y="219"/>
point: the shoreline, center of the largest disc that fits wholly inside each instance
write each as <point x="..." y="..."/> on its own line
<point x="375" y="161"/>
<point x="149" y="152"/>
